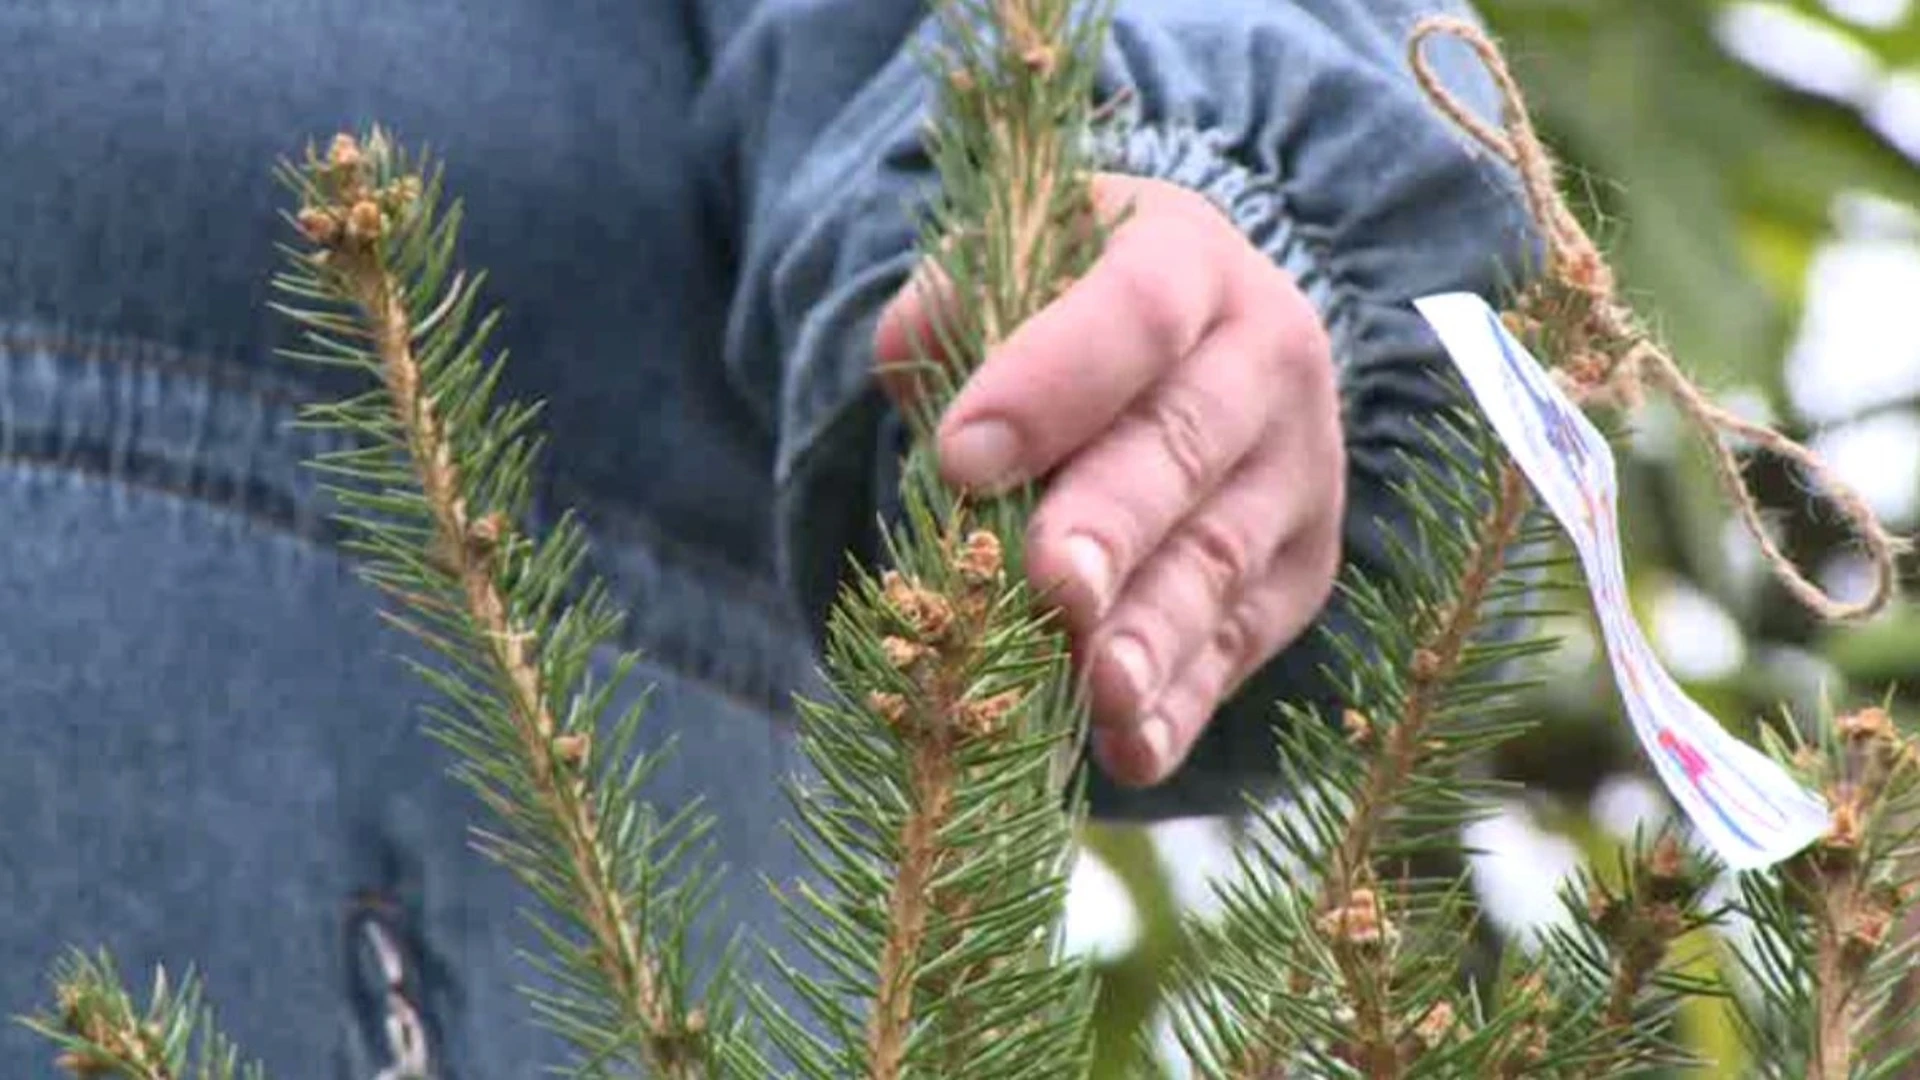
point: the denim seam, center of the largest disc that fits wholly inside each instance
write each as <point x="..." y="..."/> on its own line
<point x="150" y="417"/>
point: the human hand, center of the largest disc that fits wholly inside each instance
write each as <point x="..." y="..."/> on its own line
<point x="1182" y="396"/>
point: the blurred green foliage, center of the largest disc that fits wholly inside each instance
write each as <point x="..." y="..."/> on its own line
<point x="1712" y="183"/>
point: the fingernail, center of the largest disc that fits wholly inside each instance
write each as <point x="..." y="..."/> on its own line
<point x="1090" y="563"/>
<point x="1129" y="654"/>
<point x="1137" y="755"/>
<point x="983" y="454"/>
<point x="1157" y="736"/>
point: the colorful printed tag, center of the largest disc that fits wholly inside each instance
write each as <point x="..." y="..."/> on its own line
<point x="1746" y="806"/>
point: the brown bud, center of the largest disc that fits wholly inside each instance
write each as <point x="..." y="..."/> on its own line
<point x="1665" y="920"/>
<point x="981" y="560"/>
<point x="71" y="999"/>
<point x="365" y="222"/>
<point x="1868" y="725"/>
<point x="402" y="193"/>
<point x="1300" y="983"/>
<point x="344" y="152"/>
<point x="891" y="707"/>
<point x="1529" y="1040"/>
<point x="1668" y="860"/>
<point x="901" y="653"/>
<point x="1585" y="271"/>
<point x="1436" y="1025"/>
<point x="1358" y="728"/>
<point x="1872" y="923"/>
<point x="1530" y="991"/>
<point x="982" y="717"/>
<point x="925" y="612"/>
<point x="571" y="749"/>
<point x="1040" y="59"/>
<point x="1844" y="831"/>
<point x="1588" y="370"/>
<point x="898" y="592"/>
<point x="1669" y="877"/>
<point x="1426" y="664"/>
<point x="1600" y="904"/>
<point x="319" y="226"/>
<point x="936" y="615"/>
<point x="486" y="533"/>
<point x="83" y="1064"/>
<point x="1358" y="922"/>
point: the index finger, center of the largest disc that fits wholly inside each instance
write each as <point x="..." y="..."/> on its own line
<point x="1067" y="373"/>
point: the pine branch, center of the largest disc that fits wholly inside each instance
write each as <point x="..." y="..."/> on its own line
<point x="938" y="824"/>
<point x="102" y="1033"/>
<point x="1640" y="924"/>
<point x="1851" y="917"/>
<point x="1826" y="960"/>
<point x="1434" y="665"/>
<point x="1611" y="975"/>
<point x="1336" y="953"/>
<point x="436" y="496"/>
<point x="949" y="750"/>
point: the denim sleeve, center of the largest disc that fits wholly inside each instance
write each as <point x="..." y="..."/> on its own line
<point x="1299" y="120"/>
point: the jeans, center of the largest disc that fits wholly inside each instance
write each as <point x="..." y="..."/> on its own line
<point x="210" y="752"/>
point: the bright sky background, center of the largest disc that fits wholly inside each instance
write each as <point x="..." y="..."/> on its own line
<point x="1857" y="352"/>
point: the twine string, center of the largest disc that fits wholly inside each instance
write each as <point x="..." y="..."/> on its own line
<point x="1610" y="358"/>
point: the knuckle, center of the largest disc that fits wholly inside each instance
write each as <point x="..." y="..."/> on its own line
<point x="1150" y="302"/>
<point x="1222" y="555"/>
<point x="1234" y="638"/>
<point x="1179" y="422"/>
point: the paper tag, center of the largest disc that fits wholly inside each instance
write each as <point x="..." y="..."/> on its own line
<point x="1746" y="806"/>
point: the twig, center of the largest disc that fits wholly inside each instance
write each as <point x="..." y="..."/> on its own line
<point x="468" y="550"/>
<point x="942" y="645"/>
<point x="103" y="1033"/>
<point x="1355" y="917"/>
<point x="1853" y="915"/>
<point x="1640" y="925"/>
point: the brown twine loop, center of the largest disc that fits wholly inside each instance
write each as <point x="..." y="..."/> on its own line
<point x="1608" y="357"/>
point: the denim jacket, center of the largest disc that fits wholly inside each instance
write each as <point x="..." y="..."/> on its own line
<point x="691" y="212"/>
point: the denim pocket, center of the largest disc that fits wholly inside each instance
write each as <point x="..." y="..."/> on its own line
<point x="213" y="758"/>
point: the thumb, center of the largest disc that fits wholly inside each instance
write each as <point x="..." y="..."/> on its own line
<point x="906" y="339"/>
